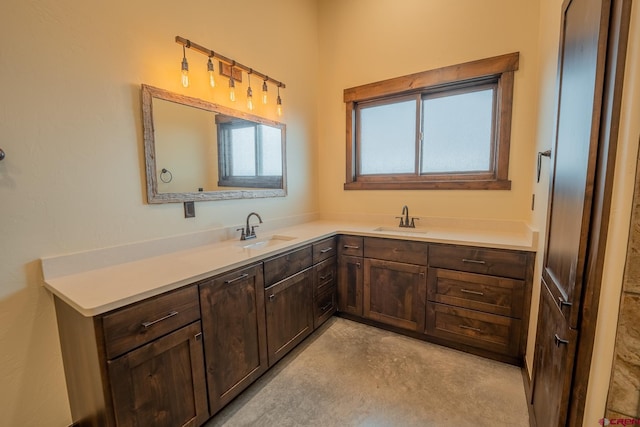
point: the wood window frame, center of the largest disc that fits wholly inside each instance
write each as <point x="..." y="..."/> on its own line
<point x="226" y="124"/>
<point x="498" y="70"/>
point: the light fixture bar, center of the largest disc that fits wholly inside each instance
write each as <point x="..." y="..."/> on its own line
<point x="211" y="54"/>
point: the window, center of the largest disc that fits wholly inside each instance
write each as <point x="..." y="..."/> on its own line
<point x="441" y="129"/>
<point x="250" y="154"/>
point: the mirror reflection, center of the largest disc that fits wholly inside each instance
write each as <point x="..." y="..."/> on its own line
<point x="196" y="150"/>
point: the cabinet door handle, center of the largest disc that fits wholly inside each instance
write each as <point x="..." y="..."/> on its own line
<point x="473" y="261"/>
<point x="564" y="303"/>
<point x="467" y="291"/>
<point x="470" y="328"/>
<point x="198" y="336"/>
<point x="324" y="251"/>
<point x="272" y="297"/>
<point x="559" y="340"/>
<point x="242" y="276"/>
<point x="153" y="322"/>
<point x="351" y="247"/>
<point x="358" y="264"/>
<point x="326" y="306"/>
<point x="328" y="276"/>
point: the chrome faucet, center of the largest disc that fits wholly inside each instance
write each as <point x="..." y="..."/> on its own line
<point x="249" y="232"/>
<point x="404" y="221"/>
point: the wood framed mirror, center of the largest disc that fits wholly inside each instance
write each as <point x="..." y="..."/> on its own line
<point x="196" y="150"/>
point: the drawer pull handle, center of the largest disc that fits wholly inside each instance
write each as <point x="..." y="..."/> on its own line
<point x="351" y="247"/>
<point x="473" y="261"/>
<point x="326" y="306"/>
<point x="324" y="251"/>
<point x="467" y="291"/>
<point x="242" y="276"/>
<point x="150" y="324"/>
<point x="328" y="276"/>
<point x="470" y="328"/>
<point x="559" y="340"/>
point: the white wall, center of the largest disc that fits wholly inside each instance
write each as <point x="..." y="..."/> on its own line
<point x="70" y="124"/>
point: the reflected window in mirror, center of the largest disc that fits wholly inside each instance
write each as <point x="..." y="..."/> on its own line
<point x="250" y="154"/>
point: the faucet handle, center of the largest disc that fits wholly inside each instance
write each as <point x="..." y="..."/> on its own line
<point x="242" y="236"/>
<point x="401" y="221"/>
<point x="253" y="230"/>
<point x="413" y="224"/>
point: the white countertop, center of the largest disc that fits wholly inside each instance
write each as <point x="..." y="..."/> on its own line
<point x="99" y="281"/>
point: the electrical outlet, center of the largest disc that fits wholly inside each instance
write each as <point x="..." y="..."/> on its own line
<point x="189" y="209"/>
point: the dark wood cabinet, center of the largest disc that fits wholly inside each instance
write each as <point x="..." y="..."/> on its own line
<point x="325" y="301"/>
<point x="139" y="365"/>
<point x="161" y="383"/>
<point x="235" y="340"/>
<point x="350" y="274"/>
<point x="479" y="298"/>
<point x="289" y="313"/>
<point x="395" y="293"/>
<point x="554" y="356"/>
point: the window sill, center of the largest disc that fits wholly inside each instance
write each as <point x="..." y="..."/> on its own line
<point x="431" y="185"/>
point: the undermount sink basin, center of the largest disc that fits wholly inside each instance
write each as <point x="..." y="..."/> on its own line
<point x="402" y="230"/>
<point x="265" y="242"/>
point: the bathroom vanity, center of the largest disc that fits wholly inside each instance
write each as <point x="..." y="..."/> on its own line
<point x="221" y="314"/>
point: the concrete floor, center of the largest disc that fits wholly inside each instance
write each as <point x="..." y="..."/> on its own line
<point x="349" y="374"/>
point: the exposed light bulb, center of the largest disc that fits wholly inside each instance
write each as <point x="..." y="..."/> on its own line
<point x="265" y="97"/>
<point x="279" y="103"/>
<point x="232" y="88"/>
<point x="212" y="80"/>
<point x="249" y="92"/>
<point x="185" y="69"/>
<point x="250" y="98"/>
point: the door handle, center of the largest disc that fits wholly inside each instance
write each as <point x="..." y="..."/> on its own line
<point x="564" y="303"/>
<point x="558" y="341"/>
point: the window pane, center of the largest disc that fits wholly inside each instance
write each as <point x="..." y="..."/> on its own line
<point x="388" y="138"/>
<point x="243" y="154"/>
<point x="457" y="132"/>
<point x="271" y="153"/>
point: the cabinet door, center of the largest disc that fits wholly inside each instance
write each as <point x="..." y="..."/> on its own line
<point x="554" y="358"/>
<point x="289" y="314"/>
<point x="161" y="383"/>
<point x="350" y="282"/>
<point x="234" y="333"/>
<point x="395" y="293"/>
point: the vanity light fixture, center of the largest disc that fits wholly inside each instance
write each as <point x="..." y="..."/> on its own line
<point x="187" y="44"/>
<point x="265" y="98"/>
<point x="212" y="80"/>
<point x="185" y="67"/>
<point x="279" y="103"/>
<point x="249" y="92"/>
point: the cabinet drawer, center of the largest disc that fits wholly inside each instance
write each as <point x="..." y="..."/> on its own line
<point x="491" y="294"/>
<point x="325" y="275"/>
<point x="285" y="265"/>
<point x="396" y="250"/>
<point x="324" y="306"/>
<point x="137" y="324"/>
<point x="324" y="249"/>
<point x="479" y="260"/>
<point x="487" y="331"/>
<point x="350" y="245"/>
